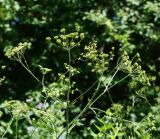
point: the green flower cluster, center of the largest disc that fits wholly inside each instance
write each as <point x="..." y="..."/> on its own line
<point x="99" y="61"/>
<point x="44" y="70"/>
<point x="17" y="108"/>
<point x="67" y="41"/>
<point x="72" y="70"/>
<point x="16" y="53"/>
<point x="140" y="81"/>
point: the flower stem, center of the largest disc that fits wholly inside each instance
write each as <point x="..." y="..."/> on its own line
<point x="30" y="72"/>
<point x="69" y="84"/>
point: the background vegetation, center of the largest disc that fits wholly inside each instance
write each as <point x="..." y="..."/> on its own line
<point x="118" y="55"/>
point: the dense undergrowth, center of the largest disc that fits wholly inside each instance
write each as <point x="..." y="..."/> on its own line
<point x="79" y="69"/>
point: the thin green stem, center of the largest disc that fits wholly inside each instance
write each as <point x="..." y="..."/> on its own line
<point x="43" y="80"/>
<point x="7" y="128"/>
<point x="92" y="108"/>
<point x="110" y="96"/>
<point x="84" y="92"/>
<point x="30" y="73"/>
<point x="89" y="104"/>
<point x="72" y="123"/>
<point x="94" y="111"/>
<point x="25" y="61"/>
<point x="45" y="102"/>
<point x="68" y="94"/>
<point x="106" y="87"/>
<point x="16" y="127"/>
<point x="54" y="129"/>
<point x="119" y="81"/>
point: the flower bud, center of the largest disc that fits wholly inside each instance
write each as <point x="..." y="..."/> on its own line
<point x="48" y="38"/>
<point x="55" y="37"/>
<point x="72" y="44"/>
<point x="82" y="36"/>
<point x="64" y="44"/>
<point x="63" y="30"/>
<point x="58" y="41"/>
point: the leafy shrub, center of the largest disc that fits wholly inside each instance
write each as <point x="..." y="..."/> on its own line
<point x="125" y="78"/>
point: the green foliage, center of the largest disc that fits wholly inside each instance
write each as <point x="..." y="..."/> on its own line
<point x="114" y="124"/>
<point x="72" y="78"/>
